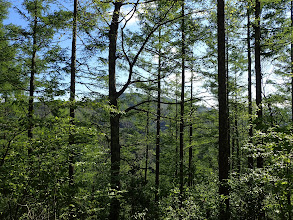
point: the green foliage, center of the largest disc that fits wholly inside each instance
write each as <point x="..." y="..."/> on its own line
<point x="36" y="186"/>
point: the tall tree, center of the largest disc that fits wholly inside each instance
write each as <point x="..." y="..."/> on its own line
<point x="182" y="103"/>
<point x="72" y="105"/>
<point x="258" y="73"/>
<point x="39" y="35"/>
<point x="158" y="124"/>
<point x="114" y="116"/>
<point x="224" y="149"/>
<point x="291" y="50"/>
<point x="32" y="74"/>
<point x="190" y="155"/>
<point x="250" y="158"/>
<point x="147" y="139"/>
<point x="114" y="94"/>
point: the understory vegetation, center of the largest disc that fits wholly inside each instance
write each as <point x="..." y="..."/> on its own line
<point x="138" y="109"/>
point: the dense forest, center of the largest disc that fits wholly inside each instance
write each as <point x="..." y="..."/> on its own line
<point x="146" y="109"/>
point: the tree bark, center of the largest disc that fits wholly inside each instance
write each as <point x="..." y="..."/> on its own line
<point x="291" y="50"/>
<point x="237" y="144"/>
<point x="176" y="133"/>
<point x="147" y="142"/>
<point x="181" y="127"/>
<point x="291" y="65"/>
<point x="72" y="106"/>
<point x="114" y="116"/>
<point x="250" y="158"/>
<point x="190" y="156"/>
<point x="224" y="149"/>
<point x="258" y="74"/>
<point x="158" y="138"/>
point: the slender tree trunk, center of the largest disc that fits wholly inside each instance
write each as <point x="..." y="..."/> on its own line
<point x="158" y="135"/>
<point x="228" y="89"/>
<point x="238" y="151"/>
<point x="233" y="141"/>
<point x="190" y="165"/>
<point x="32" y="82"/>
<point x="291" y="59"/>
<point x="72" y="107"/>
<point x="258" y="74"/>
<point x="289" y="190"/>
<point x="289" y="193"/>
<point x="224" y="149"/>
<point x="176" y="127"/>
<point x="250" y="162"/>
<point x="250" y="158"/>
<point x="114" y="116"/>
<point x="147" y="142"/>
<point x="181" y="131"/>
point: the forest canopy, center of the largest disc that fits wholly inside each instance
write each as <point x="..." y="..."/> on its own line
<point x="146" y="109"/>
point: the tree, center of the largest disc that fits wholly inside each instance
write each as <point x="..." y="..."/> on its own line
<point x="250" y="158"/>
<point x="258" y="72"/>
<point x="114" y="94"/>
<point x="32" y="75"/>
<point x="291" y="59"/>
<point x="72" y="103"/>
<point x="224" y="148"/>
<point x="182" y="103"/>
<point x="158" y="123"/>
<point x="114" y="118"/>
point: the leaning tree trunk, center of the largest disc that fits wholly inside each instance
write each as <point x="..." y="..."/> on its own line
<point x="114" y="116"/>
<point x="72" y="108"/>
<point x="224" y="149"/>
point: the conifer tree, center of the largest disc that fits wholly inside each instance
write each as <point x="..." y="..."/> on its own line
<point x="72" y="107"/>
<point x="224" y="148"/>
<point x="182" y="101"/>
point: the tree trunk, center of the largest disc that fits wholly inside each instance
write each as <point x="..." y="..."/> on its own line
<point x="289" y="190"/>
<point x="259" y="159"/>
<point x="114" y="116"/>
<point x="72" y="106"/>
<point x="176" y="127"/>
<point x="147" y="142"/>
<point x="227" y="85"/>
<point x="258" y="74"/>
<point x="238" y="150"/>
<point x="250" y="158"/>
<point x="32" y="82"/>
<point x="190" y="165"/>
<point x="224" y="149"/>
<point x="158" y="125"/>
<point x="291" y="60"/>
<point x="181" y="127"/>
